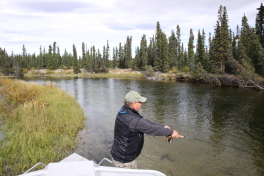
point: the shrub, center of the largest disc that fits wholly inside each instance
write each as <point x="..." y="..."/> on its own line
<point x="185" y="69"/>
<point x="174" y="70"/>
<point x="150" y="71"/>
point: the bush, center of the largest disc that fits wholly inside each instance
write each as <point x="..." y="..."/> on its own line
<point x="185" y="69"/>
<point x="150" y="71"/>
<point x="174" y="70"/>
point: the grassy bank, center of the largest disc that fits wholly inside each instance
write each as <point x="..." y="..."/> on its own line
<point x="113" y="73"/>
<point x="40" y="124"/>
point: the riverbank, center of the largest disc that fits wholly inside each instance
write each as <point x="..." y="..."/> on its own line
<point x="39" y="123"/>
<point x="204" y="78"/>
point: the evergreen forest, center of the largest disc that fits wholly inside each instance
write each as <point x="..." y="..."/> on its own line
<point x="239" y="52"/>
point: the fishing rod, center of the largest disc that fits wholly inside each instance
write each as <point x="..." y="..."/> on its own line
<point x="169" y="139"/>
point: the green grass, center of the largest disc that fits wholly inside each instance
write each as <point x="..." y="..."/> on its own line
<point x="40" y="124"/>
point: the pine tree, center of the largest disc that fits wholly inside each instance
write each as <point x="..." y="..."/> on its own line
<point x="221" y="42"/>
<point x="178" y="36"/>
<point x="114" y="58"/>
<point x="94" y="61"/>
<point x="84" y="58"/>
<point x="260" y="24"/>
<point x="58" y="57"/>
<point x="121" y="56"/>
<point x="128" y="52"/>
<point x="100" y="64"/>
<point x="143" y="54"/>
<point x="136" y="62"/>
<point x="16" y="65"/>
<point x="75" y="61"/>
<point x="24" y="57"/>
<point x="165" y="54"/>
<point x="49" y="59"/>
<point x="191" y="48"/>
<point x="172" y="50"/>
<point x="152" y="52"/>
<point x="201" y="56"/>
<point x="104" y="59"/>
<point x="44" y="59"/>
<point x="54" y="56"/>
<point x="253" y="47"/>
<point x="159" y="41"/>
<point x="107" y="55"/>
<point x="182" y="57"/>
<point x="117" y="57"/>
<point x="245" y="34"/>
<point x="5" y="66"/>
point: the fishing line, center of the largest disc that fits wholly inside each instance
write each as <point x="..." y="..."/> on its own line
<point x="169" y="139"/>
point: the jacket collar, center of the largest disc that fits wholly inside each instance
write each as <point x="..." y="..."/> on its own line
<point x="128" y="108"/>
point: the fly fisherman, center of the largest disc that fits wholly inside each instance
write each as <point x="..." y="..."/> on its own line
<point x="129" y="131"/>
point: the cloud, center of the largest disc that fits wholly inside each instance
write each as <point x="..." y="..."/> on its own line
<point x="52" y="6"/>
<point x="42" y="22"/>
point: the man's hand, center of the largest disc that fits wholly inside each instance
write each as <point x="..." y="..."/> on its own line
<point x="175" y="134"/>
<point x="166" y="126"/>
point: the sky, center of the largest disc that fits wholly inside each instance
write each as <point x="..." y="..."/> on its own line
<point x="36" y="23"/>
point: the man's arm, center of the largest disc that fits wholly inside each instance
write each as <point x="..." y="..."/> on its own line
<point x="149" y="127"/>
<point x="154" y="123"/>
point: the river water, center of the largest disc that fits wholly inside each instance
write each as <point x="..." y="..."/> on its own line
<point x="225" y="126"/>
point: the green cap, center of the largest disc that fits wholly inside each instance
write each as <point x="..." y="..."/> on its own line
<point x="134" y="96"/>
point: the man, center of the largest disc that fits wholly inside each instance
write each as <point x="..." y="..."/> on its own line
<point x="129" y="131"/>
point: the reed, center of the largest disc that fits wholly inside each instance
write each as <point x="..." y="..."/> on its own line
<point x="39" y="123"/>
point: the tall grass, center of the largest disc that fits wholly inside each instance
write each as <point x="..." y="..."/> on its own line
<point x="40" y="124"/>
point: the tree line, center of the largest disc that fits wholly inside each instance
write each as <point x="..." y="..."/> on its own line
<point x="226" y="51"/>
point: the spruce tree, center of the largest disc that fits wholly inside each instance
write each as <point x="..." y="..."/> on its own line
<point x="191" y="48"/>
<point x="136" y="60"/>
<point x="107" y="55"/>
<point x="128" y="52"/>
<point x="114" y="58"/>
<point x="143" y="53"/>
<point x="104" y="60"/>
<point x="152" y="52"/>
<point x="58" y="57"/>
<point x="24" y="57"/>
<point x="165" y="54"/>
<point x="179" y="52"/>
<point x="253" y="47"/>
<point x="75" y="61"/>
<point x="94" y="61"/>
<point x="201" y="56"/>
<point x="5" y="66"/>
<point x="221" y="42"/>
<point x="16" y="65"/>
<point x="159" y="42"/>
<point x="49" y="59"/>
<point x="117" y="57"/>
<point x="84" y="58"/>
<point x="260" y="24"/>
<point x="54" y="56"/>
<point x="121" y="56"/>
<point x="172" y="50"/>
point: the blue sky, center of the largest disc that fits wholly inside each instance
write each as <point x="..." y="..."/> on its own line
<point x="40" y="23"/>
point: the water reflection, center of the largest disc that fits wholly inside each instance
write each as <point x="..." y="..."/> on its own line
<point x="225" y="126"/>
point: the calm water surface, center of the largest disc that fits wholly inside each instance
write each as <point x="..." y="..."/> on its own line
<point x="225" y="126"/>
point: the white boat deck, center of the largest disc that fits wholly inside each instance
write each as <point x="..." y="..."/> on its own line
<point x="76" y="165"/>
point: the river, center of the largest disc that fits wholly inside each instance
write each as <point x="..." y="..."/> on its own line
<point x="225" y="125"/>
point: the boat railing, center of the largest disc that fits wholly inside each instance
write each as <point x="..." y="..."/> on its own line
<point x="35" y="166"/>
<point x="103" y="160"/>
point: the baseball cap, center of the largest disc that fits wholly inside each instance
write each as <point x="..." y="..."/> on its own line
<point x="134" y="96"/>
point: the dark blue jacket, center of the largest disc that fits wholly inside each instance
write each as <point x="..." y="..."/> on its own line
<point x="129" y="131"/>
